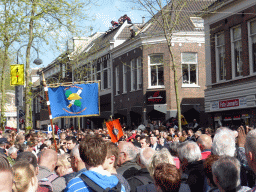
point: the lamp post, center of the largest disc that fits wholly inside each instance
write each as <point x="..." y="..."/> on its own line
<point x="37" y="61"/>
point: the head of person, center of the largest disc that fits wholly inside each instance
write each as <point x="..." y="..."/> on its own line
<point x="63" y="166"/>
<point x="24" y="177"/>
<point x="71" y="142"/>
<point x="153" y="139"/>
<point x="145" y="156"/>
<point x="173" y="147"/>
<point x="190" y="132"/>
<point x="63" y="135"/>
<point x="48" y="158"/>
<point x="224" y="142"/>
<point x="208" y="169"/>
<point x="126" y="152"/>
<point x="12" y="152"/>
<point x="20" y="138"/>
<point x="250" y="149"/>
<point x="3" y="142"/>
<point x="144" y="141"/>
<point x="198" y="134"/>
<point x="208" y="131"/>
<point x="179" y="133"/>
<point x="167" y="177"/>
<point x="5" y="175"/>
<point x="162" y="156"/>
<point x="171" y="131"/>
<point x="226" y="173"/>
<point x="110" y="163"/>
<point x="28" y="157"/>
<point x="93" y="151"/>
<point x="204" y="142"/>
<point x="75" y="160"/>
<point x="189" y="152"/>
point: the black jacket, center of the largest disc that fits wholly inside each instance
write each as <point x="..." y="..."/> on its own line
<point x="135" y="182"/>
<point x="128" y="169"/>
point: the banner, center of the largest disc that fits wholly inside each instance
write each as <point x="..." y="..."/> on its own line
<point x="114" y="130"/>
<point x="78" y="100"/>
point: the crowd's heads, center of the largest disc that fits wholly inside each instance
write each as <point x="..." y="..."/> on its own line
<point x="224" y="142"/>
<point x="63" y="165"/>
<point x="48" y="158"/>
<point x="167" y="177"/>
<point x="226" y="173"/>
<point x="127" y="152"/>
<point x="189" y="151"/>
<point x="145" y="141"/>
<point x="24" y="178"/>
<point x="153" y="139"/>
<point x="162" y="156"/>
<point x="93" y="151"/>
<point x="5" y="175"/>
<point x="204" y="142"/>
<point x="27" y="157"/>
<point x="12" y="152"/>
<point x="71" y="142"/>
<point x="146" y="155"/>
<point x="250" y="149"/>
<point x="208" y="168"/>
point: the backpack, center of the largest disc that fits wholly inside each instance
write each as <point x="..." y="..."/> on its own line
<point x="47" y="182"/>
<point x="95" y="187"/>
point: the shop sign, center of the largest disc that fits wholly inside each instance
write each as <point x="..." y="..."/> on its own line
<point x="229" y="103"/>
<point x="237" y="117"/>
<point x="245" y="116"/>
<point x="156" y="97"/>
<point x="227" y="118"/>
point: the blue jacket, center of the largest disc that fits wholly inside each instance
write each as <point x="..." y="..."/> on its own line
<point x="104" y="181"/>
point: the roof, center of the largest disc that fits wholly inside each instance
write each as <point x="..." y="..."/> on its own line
<point x="184" y="22"/>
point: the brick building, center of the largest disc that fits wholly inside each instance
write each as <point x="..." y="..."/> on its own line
<point x="230" y="28"/>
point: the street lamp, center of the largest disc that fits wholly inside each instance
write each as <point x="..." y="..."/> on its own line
<point x="37" y="61"/>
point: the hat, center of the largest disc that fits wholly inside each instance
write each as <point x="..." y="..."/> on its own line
<point x="3" y="141"/>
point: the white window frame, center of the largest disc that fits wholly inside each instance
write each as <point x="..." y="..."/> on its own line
<point x="217" y="57"/>
<point x="233" y="41"/>
<point x="139" y="73"/>
<point x="109" y="74"/>
<point x="133" y="70"/>
<point x="125" y="74"/>
<point x="117" y="80"/>
<point x="149" y="71"/>
<point x="251" y="36"/>
<point x="190" y="63"/>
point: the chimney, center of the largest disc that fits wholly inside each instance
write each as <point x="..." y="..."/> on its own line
<point x="143" y="20"/>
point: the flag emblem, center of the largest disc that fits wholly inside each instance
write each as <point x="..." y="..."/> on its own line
<point x="77" y="100"/>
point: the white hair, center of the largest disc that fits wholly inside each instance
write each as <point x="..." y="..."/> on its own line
<point x="250" y="144"/>
<point x="227" y="172"/>
<point x="162" y="156"/>
<point x="146" y="155"/>
<point x="12" y="150"/>
<point x="224" y="143"/>
<point x="189" y="151"/>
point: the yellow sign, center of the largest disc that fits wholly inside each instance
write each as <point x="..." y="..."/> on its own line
<point x="17" y="74"/>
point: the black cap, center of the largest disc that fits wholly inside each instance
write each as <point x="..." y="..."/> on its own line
<point x="3" y="141"/>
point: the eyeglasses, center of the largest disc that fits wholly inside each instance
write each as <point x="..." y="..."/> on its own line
<point x="70" y="158"/>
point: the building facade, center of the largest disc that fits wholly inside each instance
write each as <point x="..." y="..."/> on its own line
<point x="231" y="63"/>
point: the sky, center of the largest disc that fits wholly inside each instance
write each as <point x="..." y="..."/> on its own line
<point x="104" y="13"/>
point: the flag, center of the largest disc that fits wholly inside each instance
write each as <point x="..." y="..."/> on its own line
<point x="78" y="100"/>
<point x="114" y="130"/>
<point x="183" y="120"/>
<point x="17" y="74"/>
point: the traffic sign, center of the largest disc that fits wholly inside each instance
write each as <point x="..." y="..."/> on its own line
<point x="17" y="74"/>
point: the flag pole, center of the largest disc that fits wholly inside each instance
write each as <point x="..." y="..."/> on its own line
<point x="49" y="111"/>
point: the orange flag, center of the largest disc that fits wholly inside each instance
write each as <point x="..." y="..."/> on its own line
<point x="114" y="130"/>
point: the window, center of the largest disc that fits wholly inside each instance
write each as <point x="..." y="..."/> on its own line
<point x="133" y="75"/>
<point x="156" y="71"/>
<point x="236" y="53"/>
<point x="220" y="57"/>
<point x="125" y="78"/>
<point x="252" y="45"/>
<point x="109" y="74"/>
<point x="189" y="68"/>
<point x="104" y="75"/>
<point x="139" y="73"/>
<point x="117" y="80"/>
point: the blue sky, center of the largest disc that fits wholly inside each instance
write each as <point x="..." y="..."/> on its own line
<point x="104" y="13"/>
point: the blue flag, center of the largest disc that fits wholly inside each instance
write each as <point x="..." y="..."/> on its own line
<point x="77" y="100"/>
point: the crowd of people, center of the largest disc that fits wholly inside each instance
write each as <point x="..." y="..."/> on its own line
<point x="164" y="160"/>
